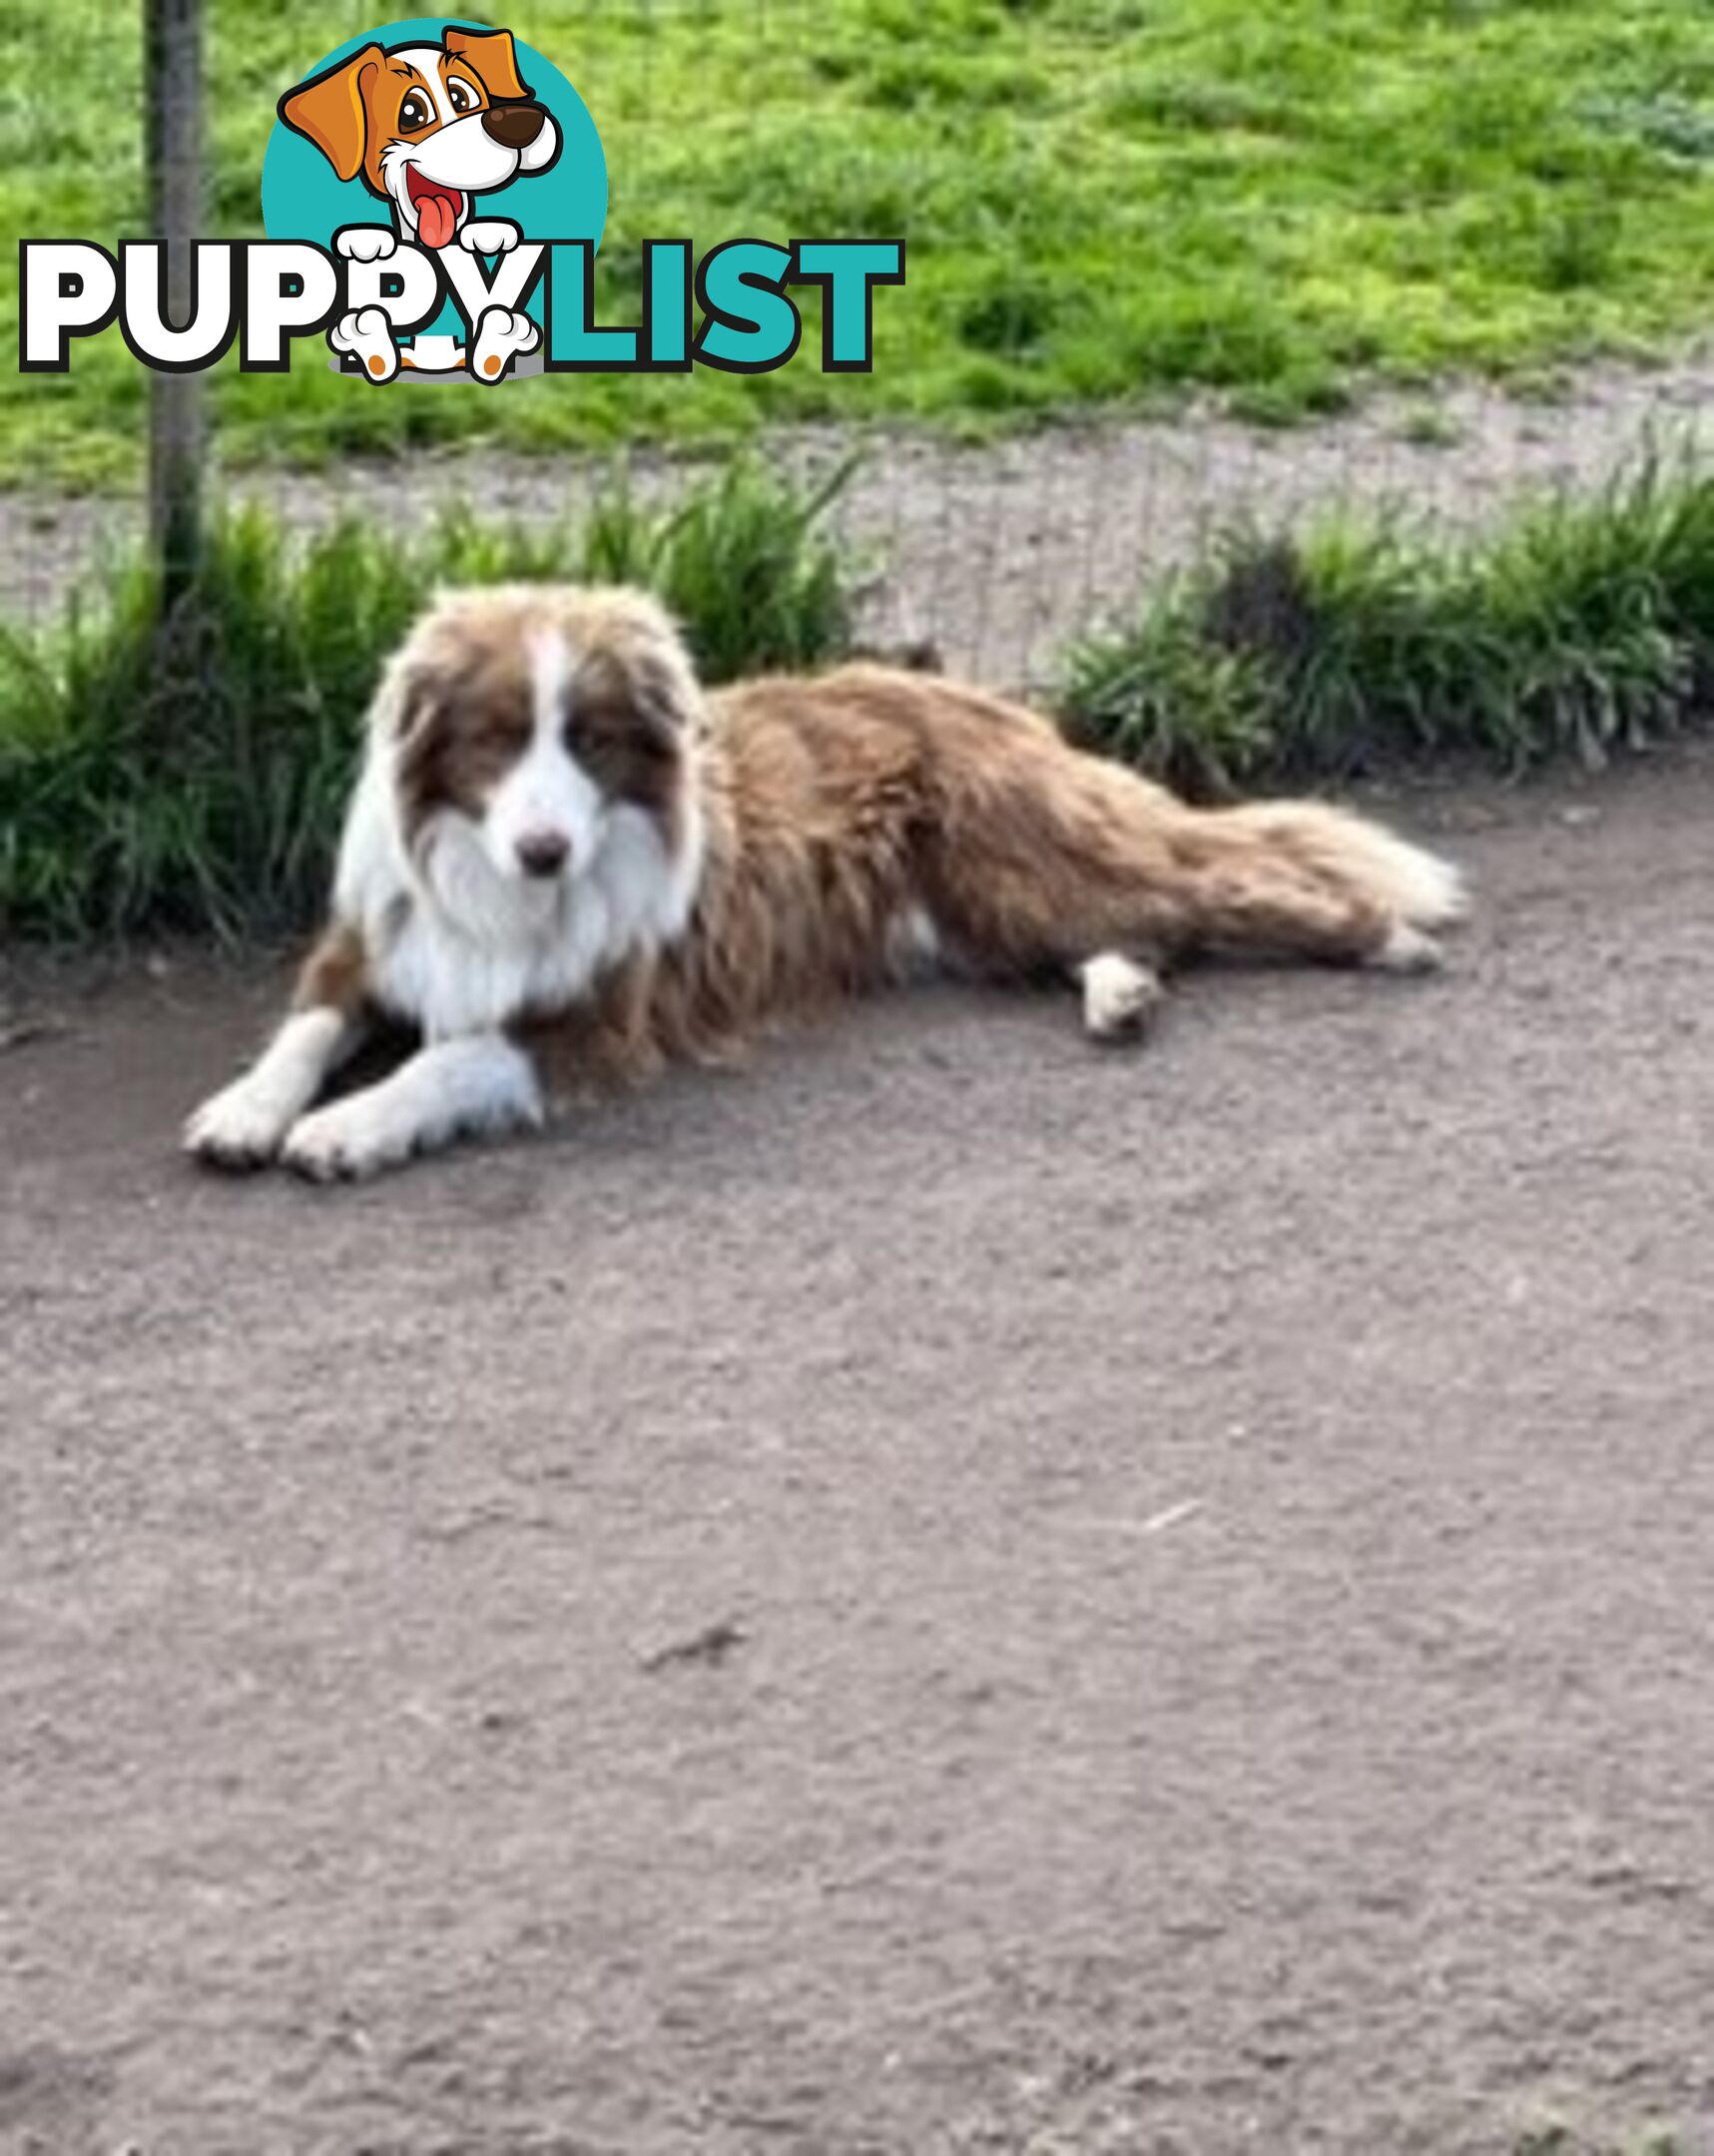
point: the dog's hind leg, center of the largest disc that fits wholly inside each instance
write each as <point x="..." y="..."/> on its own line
<point x="1037" y="858"/>
<point x="1257" y="905"/>
<point x="1120" y="995"/>
<point x="1092" y="861"/>
<point x="504" y="335"/>
<point x="244" y="1124"/>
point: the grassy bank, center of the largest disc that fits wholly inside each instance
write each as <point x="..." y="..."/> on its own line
<point x="1580" y="629"/>
<point x="193" y="779"/>
<point x="1105" y="201"/>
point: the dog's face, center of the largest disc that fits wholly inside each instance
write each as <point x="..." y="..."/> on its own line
<point x="427" y="126"/>
<point x="533" y="727"/>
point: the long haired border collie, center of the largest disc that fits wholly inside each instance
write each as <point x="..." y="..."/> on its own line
<point x="563" y="861"/>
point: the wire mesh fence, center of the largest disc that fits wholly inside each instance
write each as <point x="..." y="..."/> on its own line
<point x="996" y="518"/>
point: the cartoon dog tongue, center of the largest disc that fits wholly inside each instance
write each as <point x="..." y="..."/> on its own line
<point x="436" y="215"/>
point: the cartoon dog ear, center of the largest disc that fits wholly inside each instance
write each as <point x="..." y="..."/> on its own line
<point x="329" y="111"/>
<point x="494" y="57"/>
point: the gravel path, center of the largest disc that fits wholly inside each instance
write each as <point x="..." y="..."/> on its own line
<point x="995" y="556"/>
<point x="946" y="1592"/>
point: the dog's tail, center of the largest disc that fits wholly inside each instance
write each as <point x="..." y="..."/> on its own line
<point x="1355" y="855"/>
<point x="1302" y="879"/>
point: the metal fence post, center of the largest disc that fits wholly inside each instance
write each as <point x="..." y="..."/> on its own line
<point x="172" y="151"/>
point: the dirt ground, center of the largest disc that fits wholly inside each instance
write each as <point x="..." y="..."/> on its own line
<point x="995" y="555"/>
<point x="946" y="1592"/>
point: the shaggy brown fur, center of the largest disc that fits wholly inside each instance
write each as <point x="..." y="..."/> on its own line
<point x="841" y="809"/>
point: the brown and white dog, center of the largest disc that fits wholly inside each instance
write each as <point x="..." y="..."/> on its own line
<point x="563" y="860"/>
<point x="428" y="128"/>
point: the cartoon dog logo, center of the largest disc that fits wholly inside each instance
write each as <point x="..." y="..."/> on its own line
<point x="428" y="128"/>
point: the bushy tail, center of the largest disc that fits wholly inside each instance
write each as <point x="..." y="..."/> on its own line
<point x="1352" y="855"/>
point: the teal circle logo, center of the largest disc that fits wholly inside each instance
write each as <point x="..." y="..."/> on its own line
<point x="430" y="129"/>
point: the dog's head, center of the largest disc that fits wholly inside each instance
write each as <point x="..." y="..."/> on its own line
<point x="535" y="733"/>
<point x="427" y="126"/>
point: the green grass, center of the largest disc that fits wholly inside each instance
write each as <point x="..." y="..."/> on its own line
<point x="1580" y="629"/>
<point x="1106" y="200"/>
<point x="191" y="776"/>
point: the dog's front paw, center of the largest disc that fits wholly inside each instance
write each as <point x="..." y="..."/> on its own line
<point x="502" y="336"/>
<point x="239" y="1128"/>
<point x="365" y="243"/>
<point x="346" y="1142"/>
<point x="490" y="235"/>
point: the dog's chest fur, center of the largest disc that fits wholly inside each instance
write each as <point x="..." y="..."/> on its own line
<point x="454" y="949"/>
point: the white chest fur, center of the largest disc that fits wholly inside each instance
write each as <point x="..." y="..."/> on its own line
<point x="427" y="968"/>
<point x="456" y="948"/>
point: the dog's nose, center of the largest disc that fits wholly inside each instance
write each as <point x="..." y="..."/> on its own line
<point x="516" y="126"/>
<point x="542" y="853"/>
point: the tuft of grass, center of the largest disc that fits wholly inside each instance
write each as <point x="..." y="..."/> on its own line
<point x="743" y="563"/>
<point x="1580" y="629"/>
<point x="1672" y="125"/>
<point x="1426" y="427"/>
<point x="1548" y="2135"/>
<point x="188" y="772"/>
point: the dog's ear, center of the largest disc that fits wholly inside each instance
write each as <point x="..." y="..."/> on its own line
<point x="637" y="690"/>
<point x="330" y="113"/>
<point x="633" y="707"/>
<point x="494" y="57"/>
<point x="417" y="696"/>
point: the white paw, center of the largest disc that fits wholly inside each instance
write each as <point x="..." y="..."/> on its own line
<point x="490" y="235"/>
<point x="239" y="1127"/>
<point x="502" y="336"/>
<point x="1118" y="995"/>
<point x="365" y="243"/>
<point x="367" y="338"/>
<point x="1406" y="950"/>
<point x="347" y="1141"/>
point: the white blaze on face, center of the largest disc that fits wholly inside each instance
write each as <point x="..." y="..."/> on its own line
<point x="547" y="795"/>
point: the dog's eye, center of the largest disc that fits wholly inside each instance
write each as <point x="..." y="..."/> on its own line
<point x="460" y="95"/>
<point x="415" y="112"/>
